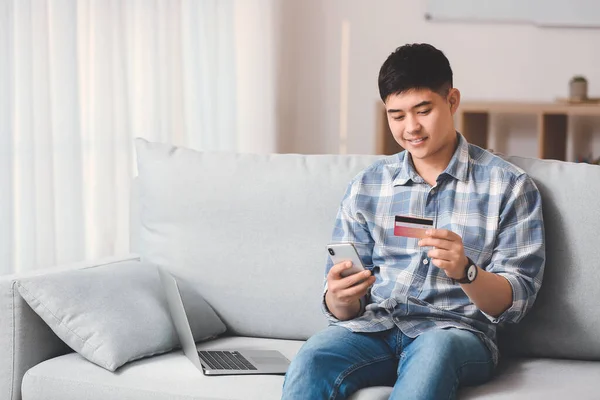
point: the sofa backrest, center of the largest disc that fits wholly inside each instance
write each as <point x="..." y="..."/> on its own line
<point x="565" y="319"/>
<point x="250" y="231"/>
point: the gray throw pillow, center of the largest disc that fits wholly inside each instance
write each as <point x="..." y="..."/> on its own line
<point x="115" y="313"/>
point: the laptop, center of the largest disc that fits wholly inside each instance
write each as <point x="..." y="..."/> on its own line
<point x="217" y="362"/>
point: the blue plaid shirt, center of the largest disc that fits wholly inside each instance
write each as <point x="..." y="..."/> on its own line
<point x="493" y="205"/>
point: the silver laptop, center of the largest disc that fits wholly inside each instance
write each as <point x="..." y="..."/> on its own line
<point x="217" y="362"/>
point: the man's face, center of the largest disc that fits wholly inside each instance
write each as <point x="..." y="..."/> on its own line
<point x="421" y="122"/>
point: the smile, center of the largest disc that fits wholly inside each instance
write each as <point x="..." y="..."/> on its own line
<point x="416" y="141"/>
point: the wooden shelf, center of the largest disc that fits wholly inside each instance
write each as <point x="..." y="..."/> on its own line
<point x="531" y="108"/>
<point x="474" y="120"/>
<point x="385" y="142"/>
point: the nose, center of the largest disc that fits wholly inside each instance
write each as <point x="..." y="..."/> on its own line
<point x="412" y="125"/>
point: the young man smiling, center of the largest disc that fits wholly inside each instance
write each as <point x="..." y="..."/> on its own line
<point x="424" y="317"/>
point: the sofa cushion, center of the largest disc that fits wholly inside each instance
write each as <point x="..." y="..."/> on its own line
<point x="172" y="376"/>
<point x="169" y="376"/>
<point x="565" y="319"/>
<point x="248" y="230"/>
<point x="115" y="313"/>
<point x="539" y="379"/>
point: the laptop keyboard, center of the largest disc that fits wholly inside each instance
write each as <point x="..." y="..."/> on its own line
<point x="226" y="360"/>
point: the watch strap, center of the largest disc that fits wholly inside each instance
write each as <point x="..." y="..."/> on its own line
<point x="466" y="279"/>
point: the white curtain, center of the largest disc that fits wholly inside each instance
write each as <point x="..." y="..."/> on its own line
<point x="79" y="79"/>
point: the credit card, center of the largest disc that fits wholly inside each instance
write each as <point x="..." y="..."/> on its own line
<point x="411" y="227"/>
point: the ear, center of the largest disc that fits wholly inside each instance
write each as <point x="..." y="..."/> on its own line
<point x="453" y="99"/>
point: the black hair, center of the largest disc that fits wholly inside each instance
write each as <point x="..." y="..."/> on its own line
<point x="415" y="66"/>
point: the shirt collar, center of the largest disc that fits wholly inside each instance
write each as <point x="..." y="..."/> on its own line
<point x="457" y="168"/>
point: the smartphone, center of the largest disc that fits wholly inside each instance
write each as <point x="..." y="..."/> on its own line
<point x="340" y="252"/>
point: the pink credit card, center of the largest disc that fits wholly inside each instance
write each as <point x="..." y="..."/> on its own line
<point x="411" y="227"/>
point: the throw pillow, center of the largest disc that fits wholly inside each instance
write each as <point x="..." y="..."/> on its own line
<point x="115" y="313"/>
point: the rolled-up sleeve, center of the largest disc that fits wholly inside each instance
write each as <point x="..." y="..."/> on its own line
<point x="519" y="254"/>
<point x="350" y="227"/>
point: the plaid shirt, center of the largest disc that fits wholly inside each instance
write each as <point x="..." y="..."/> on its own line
<point x="493" y="205"/>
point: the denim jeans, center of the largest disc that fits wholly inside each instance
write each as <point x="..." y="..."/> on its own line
<point x="335" y="363"/>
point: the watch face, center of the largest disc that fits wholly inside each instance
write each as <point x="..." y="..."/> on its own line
<point x="472" y="272"/>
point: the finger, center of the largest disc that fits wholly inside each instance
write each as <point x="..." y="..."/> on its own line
<point x="351" y="280"/>
<point x="356" y="278"/>
<point x="336" y="271"/>
<point x="437" y="243"/>
<point x="441" y="234"/>
<point x="443" y="264"/>
<point x="442" y="254"/>
<point x="352" y="293"/>
<point x="358" y="290"/>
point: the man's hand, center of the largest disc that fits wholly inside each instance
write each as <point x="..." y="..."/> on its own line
<point x="448" y="252"/>
<point x="491" y="293"/>
<point x="343" y="294"/>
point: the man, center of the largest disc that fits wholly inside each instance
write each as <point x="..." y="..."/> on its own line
<point x="423" y="320"/>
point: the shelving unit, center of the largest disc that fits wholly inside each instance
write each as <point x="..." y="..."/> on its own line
<point x="474" y="121"/>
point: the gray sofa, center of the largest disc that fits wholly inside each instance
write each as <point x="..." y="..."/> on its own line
<point x="249" y="232"/>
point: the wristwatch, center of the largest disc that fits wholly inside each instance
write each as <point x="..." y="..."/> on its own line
<point x="470" y="272"/>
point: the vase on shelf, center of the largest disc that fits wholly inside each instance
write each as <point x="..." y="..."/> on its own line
<point x="578" y="86"/>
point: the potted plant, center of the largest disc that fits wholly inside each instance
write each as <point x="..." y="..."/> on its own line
<point x="578" y="88"/>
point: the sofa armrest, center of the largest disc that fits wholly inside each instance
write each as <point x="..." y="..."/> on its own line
<point x="25" y="339"/>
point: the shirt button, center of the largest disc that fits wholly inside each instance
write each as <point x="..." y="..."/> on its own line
<point x="425" y="261"/>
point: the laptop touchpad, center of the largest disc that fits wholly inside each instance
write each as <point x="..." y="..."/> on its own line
<point x="266" y="359"/>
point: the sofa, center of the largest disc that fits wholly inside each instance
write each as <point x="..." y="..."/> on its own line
<point x="248" y="233"/>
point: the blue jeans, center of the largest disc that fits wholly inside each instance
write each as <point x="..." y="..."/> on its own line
<point x="335" y="363"/>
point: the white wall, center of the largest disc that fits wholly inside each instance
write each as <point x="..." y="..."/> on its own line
<point x="490" y="62"/>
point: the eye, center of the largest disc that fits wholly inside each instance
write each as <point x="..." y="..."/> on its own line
<point x="399" y="118"/>
<point x="425" y="112"/>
